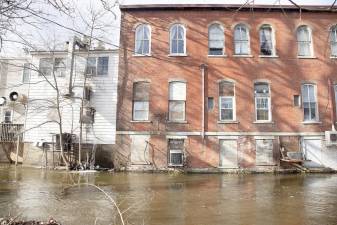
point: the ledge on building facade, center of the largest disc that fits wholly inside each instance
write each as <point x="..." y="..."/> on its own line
<point x="217" y="56"/>
<point x="311" y="122"/>
<point x="306" y="57"/>
<point x="177" y="55"/>
<point x="141" y="55"/>
<point x="263" y="122"/>
<point x="140" y="121"/>
<point x="227" y="121"/>
<point x="243" y="56"/>
<point x="333" y="57"/>
<point x="172" y="121"/>
<point x="268" y="56"/>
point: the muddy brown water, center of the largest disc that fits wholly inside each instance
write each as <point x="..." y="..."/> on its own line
<point x="169" y="199"/>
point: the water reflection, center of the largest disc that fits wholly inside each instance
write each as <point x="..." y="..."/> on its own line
<point x="169" y="199"/>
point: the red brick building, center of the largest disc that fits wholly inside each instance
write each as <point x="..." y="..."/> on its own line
<point x="219" y="86"/>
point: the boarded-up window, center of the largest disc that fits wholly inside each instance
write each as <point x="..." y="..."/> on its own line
<point x="176" y="152"/>
<point x="228" y="154"/>
<point x="264" y="152"/>
<point x="262" y="102"/>
<point x="226" y="101"/>
<point x="141" y="100"/>
<point x="177" y="101"/>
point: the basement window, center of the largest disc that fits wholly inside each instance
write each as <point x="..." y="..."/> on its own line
<point x="176" y="152"/>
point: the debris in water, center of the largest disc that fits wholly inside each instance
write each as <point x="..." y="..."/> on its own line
<point x="12" y="221"/>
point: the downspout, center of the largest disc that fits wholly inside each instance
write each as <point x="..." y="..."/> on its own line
<point x="203" y="68"/>
<point x="333" y="105"/>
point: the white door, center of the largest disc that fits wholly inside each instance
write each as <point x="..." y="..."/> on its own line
<point x="140" y="149"/>
<point x="228" y="154"/>
<point x="264" y="152"/>
<point x="312" y="150"/>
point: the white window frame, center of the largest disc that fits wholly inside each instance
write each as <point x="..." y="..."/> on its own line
<point x="273" y="41"/>
<point x="233" y="102"/>
<point x="316" y="102"/>
<point x="180" y="151"/>
<point x="311" y="47"/>
<point x="143" y="26"/>
<point x="223" y="39"/>
<point x="241" y="41"/>
<point x="333" y="33"/>
<point x="172" y="100"/>
<point x="263" y="97"/>
<point x="140" y="101"/>
<point x="171" y="40"/>
<point x="26" y="72"/>
<point x="96" y="66"/>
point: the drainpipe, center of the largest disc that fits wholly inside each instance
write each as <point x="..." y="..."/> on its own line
<point x="333" y="105"/>
<point x="203" y="68"/>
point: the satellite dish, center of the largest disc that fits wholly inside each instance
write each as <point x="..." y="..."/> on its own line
<point x="3" y="101"/>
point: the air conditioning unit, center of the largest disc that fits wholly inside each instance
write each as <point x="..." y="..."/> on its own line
<point x="330" y="138"/>
<point x="176" y="158"/>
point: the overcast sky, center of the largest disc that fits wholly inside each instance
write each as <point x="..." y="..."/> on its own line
<point x="42" y="37"/>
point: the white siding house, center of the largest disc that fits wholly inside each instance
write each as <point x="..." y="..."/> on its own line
<point x="101" y="80"/>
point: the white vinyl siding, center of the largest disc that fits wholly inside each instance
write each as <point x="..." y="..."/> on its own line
<point x="216" y="40"/>
<point x="241" y="40"/>
<point x="309" y="98"/>
<point x="177" y="101"/>
<point x="177" y="40"/>
<point x="304" y="41"/>
<point x="143" y="40"/>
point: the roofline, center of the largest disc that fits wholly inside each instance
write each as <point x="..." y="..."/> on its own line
<point x="319" y="8"/>
<point x="77" y="51"/>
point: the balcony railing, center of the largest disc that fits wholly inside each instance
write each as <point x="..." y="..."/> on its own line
<point x="9" y="132"/>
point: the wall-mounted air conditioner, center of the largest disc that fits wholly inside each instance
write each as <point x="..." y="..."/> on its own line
<point x="330" y="138"/>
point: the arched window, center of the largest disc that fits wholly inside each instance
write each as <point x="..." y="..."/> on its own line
<point x="143" y="39"/>
<point x="304" y="41"/>
<point x="333" y="40"/>
<point x="226" y="101"/>
<point x="262" y="101"/>
<point x="141" y="98"/>
<point x="241" y="40"/>
<point x="177" y="40"/>
<point x="216" y="39"/>
<point x="177" y="101"/>
<point x="267" y="46"/>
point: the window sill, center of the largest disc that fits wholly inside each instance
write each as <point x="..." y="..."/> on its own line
<point x="140" y="121"/>
<point x="268" y="56"/>
<point x="306" y="57"/>
<point x="170" y="121"/>
<point x="177" y="55"/>
<point x="227" y="122"/>
<point x="243" y="56"/>
<point x="217" y="56"/>
<point x="263" y="122"/>
<point x="311" y="122"/>
<point x="140" y="55"/>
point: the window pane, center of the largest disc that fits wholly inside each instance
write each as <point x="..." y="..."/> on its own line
<point x="181" y="46"/>
<point x="226" y="88"/>
<point x="103" y="66"/>
<point x="141" y="91"/>
<point x="177" y="110"/>
<point x="226" y="108"/>
<point x="262" y="114"/>
<point x="177" y="91"/>
<point x="216" y="40"/>
<point x="334" y="49"/>
<point x="60" y="67"/>
<point x="266" y="41"/>
<point x="261" y="89"/>
<point x="226" y="114"/>
<point x="309" y="102"/>
<point x="26" y="73"/>
<point x="91" y="66"/>
<point x="46" y="66"/>
<point x="140" y="110"/>
<point x="180" y="32"/>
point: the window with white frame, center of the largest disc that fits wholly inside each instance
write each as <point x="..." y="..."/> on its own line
<point x="46" y="66"/>
<point x="226" y="101"/>
<point x="304" y="41"/>
<point x="309" y="98"/>
<point x="176" y="152"/>
<point x="241" y="40"/>
<point x="333" y="41"/>
<point x="60" y="67"/>
<point x="216" y="39"/>
<point x="177" y="101"/>
<point x="262" y="101"/>
<point x="266" y="40"/>
<point x="143" y="39"/>
<point x="26" y="73"/>
<point x="177" y="40"/>
<point x="7" y="116"/>
<point x="97" y="66"/>
<point x="141" y="98"/>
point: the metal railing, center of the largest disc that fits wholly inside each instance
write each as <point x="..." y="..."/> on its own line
<point x="9" y="132"/>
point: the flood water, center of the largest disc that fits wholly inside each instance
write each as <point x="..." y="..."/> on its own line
<point x="169" y="199"/>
